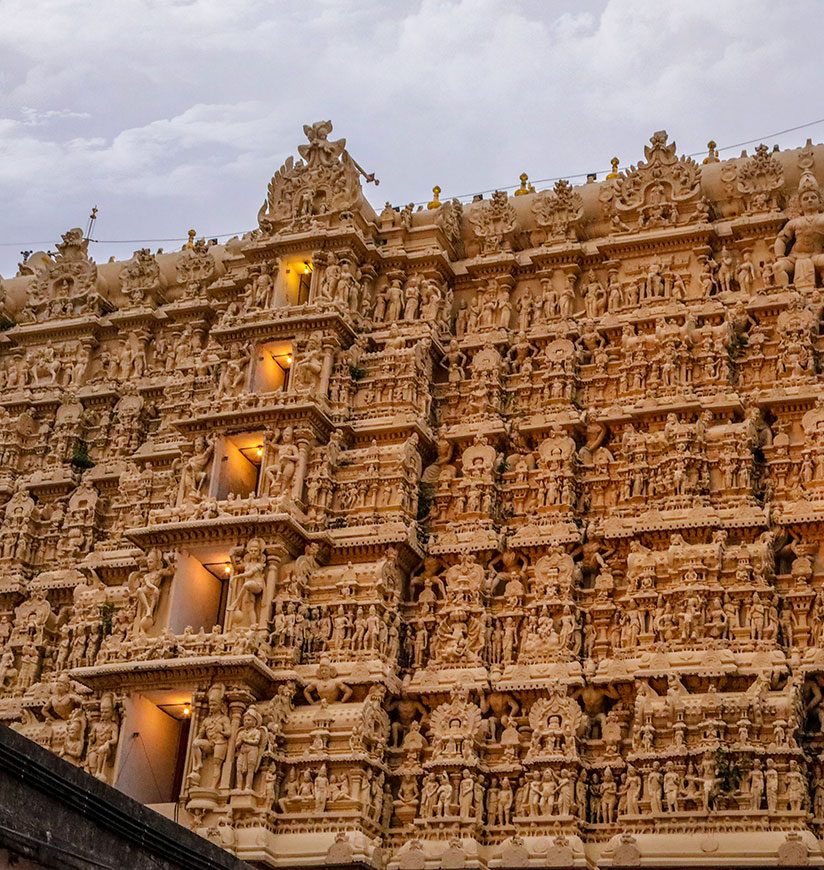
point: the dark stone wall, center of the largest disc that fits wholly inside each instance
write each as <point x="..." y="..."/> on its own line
<point x="52" y="814"/>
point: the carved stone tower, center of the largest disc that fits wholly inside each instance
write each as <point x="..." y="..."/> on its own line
<point x="467" y="536"/>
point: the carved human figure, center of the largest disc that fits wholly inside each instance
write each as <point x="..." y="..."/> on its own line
<point x="250" y="744"/>
<point x="148" y="586"/>
<point x="212" y="737"/>
<point x="756" y="786"/>
<point x="62" y="700"/>
<point x="326" y="686"/>
<point x="194" y="471"/>
<point x="249" y="581"/>
<point x="103" y="738"/>
<point x="802" y="238"/>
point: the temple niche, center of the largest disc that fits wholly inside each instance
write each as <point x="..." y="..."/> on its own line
<point x="479" y="535"/>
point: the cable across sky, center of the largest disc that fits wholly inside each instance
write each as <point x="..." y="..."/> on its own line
<point x="462" y="196"/>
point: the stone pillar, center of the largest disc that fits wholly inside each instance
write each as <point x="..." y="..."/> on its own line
<point x="318" y="260"/>
<point x="276" y="554"/>
<point x="303" y="440"/>
<point x="238" y="700"/>
<point x="326" y="371"/>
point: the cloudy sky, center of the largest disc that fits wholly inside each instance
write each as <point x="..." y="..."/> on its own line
<point x="170" y="114"/>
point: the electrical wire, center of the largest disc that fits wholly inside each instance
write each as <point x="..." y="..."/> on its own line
<point x="423" y="202"/>
<point x="600" y="171"/>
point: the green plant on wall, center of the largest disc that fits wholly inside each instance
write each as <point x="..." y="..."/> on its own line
<point x="426" y="494"/>
<point x="728" y="773"/>
<point x="106" y="616"/>
<point x="80" y="455"/>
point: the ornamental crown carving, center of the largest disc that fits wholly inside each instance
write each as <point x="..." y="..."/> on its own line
<point x="454" y="726"/>
<point x="71" y="275"/>
<point x="756" y="181"/>
<point x="559" y="213"/>
<point x="661" y="191"/>
<point x="140" y="278"/>
<point x="196" y="267"/>
<point x="323" y="182"/>
<point x="555" y="721"/>
<point x="493" y="223"/>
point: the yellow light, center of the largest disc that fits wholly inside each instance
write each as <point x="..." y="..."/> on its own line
<point x="259" y="451"/>
<point x="187" y="711"/>
<point x="227" y="568"/>
<point x="307" y="267"/>
<point x="289" y="359"/>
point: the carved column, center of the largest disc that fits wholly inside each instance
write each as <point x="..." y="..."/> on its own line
<point x="276" y="555"/>
<point x="319" y="259"/>
<point x="238" y="700"/>
<point x="303" y="441"/>
<point x="328" y="362"/>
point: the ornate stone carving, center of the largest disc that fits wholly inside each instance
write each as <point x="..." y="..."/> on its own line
<point x="494" y="223"/>
<point x="448" y="560"/>
<point x="559" y="213"/>
<point x="661" y="191"/>
<point x="323" y="182"/>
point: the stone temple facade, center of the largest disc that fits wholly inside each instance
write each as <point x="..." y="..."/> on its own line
<point x="477" y="535"/>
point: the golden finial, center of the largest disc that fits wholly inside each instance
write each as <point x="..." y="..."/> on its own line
<point x="614" y="162"/>
<point x="191" y="243"/>
<point x="435" y="203"/>
<point x="712" y="152"/>
<point x="525" y="186"/>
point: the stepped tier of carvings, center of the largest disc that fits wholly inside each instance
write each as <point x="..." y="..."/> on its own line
<point x="484" y="535"/>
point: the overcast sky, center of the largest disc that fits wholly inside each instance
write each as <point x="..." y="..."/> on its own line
<point x="170" y="114"/>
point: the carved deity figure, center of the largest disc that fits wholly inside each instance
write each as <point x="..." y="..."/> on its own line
<point x="212" y="737"/>
<point x="249" y="581"/>
<point x="800" y="244"/>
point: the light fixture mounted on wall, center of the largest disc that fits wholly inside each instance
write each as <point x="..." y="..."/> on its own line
<point x="252" y="454"/>
<point x="219" y="570"/>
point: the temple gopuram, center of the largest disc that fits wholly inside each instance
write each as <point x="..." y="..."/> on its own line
<point x="483" y="535"/>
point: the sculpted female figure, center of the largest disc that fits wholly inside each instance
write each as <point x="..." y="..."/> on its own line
<point x="194" y="470"/>
<point x="250" y="581"/>
<point x="149" y="584"/>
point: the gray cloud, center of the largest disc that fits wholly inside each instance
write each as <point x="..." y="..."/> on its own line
<point x="175" y="114"/>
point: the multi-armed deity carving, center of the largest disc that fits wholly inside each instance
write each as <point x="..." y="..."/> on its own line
<point x="509" y="554"/>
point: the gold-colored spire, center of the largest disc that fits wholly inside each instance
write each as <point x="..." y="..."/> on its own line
<point x="191" y="243"/>
<point x="614" y="174"/>
<point x="525" y="186"/>
<point x="435" y="202"/>
<point x="712" y="152"/>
